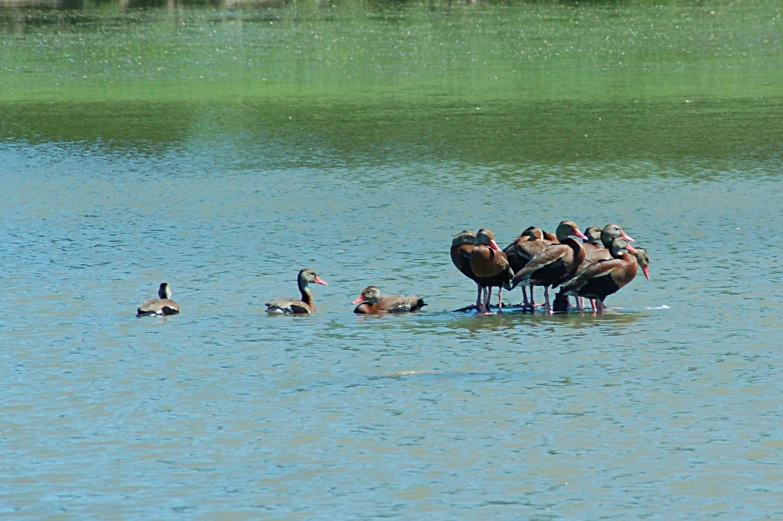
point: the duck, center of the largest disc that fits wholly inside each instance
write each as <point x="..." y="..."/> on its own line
<point x="549" y="236"/>
<point x="606" y="277"/>
<point x="530" y="242"/>
<point x="595" y="254"/>
<point x="490" y="266"/>
<point x="163" y="305"/>
<point x="295" y="306"/>
<point x="555" y="263"/>
<point x="593" y="234"/>
<point x="643" y="260"/>
<point x="607" y="235"/>
<point x="609" y="232"/>
<point x="461" y="246"/>
<point x="370" y="302"/>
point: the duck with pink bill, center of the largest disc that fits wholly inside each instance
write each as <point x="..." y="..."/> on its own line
<point x="371" y="302"/>
<point x="607" y="277"/>
<point x="490" y="266"/>
<point x="297" y="306"/>
<point x="555" y="263"/>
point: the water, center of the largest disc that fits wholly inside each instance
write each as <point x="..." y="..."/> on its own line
<point x="667" y="407"/>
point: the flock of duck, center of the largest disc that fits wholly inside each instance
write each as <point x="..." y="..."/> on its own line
<point x="596" y="268"/>
<point x="599" y="266"/>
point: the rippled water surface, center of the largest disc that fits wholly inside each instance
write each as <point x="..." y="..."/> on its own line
<point x="667" y="407"/>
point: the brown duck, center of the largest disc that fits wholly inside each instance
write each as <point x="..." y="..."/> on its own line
<point x="525" y="247"/>
<point x="606" y="277"/>
<point x="372" y="303"/>
<point x="490" y="266"/>
<point x="597" y="253"/>
<point x="593" y="234"/>
<point x="555" y="263"/>
<point x="608" y="234"/>
<point x="461" y="247"/>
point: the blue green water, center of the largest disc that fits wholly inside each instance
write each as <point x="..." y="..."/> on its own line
<point x="357" y="139"/>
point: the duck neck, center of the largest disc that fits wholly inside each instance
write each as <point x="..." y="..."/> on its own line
<point x="618" y="254"/>
<point x="578" y="249"/>
<point x="307" y="296"/>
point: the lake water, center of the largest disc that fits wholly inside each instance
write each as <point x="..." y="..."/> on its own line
<point x="221" y="149"/>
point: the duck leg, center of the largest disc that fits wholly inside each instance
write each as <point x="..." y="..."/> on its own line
<point x="547" y="305"/>
<point x="485" y="308"/>
<point x="478" y="296"/>
<point x="475" y="305"/>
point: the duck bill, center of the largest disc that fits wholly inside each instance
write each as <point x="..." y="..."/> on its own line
<point x="319" y="280"/>
<point x="359" y="300"/>
<point x="494" y="245"/>
<point x="581" y="235"/>
<point x="646" y="271"/>
<point x="631" y="249"/>
<point x="627" y="237"/>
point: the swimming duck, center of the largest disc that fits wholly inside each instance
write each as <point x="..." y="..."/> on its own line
<point x="163" y="305"/>
<point x="295" y="306"/>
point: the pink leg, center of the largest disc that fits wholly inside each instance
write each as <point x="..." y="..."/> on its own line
<point x="525" y="302"/>
<point x="485" y="308"/>
<point x="500" y="299"/>
<point x="478" y="297"/>
<point x="532" y="298"/>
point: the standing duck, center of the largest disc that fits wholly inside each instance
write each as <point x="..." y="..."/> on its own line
<point x="372" y="303"/>
<point x="643" y="260"/>
<point x="593" y="234"/>
<point x="597" y="253"/>
<point x="163" y="305"/>
<point x="303" y="306"/>
<point x="461" y="247"/>
<point x="551" y="237"/>
<point x="490" y="266"/>
<point x="555" y="263"/>
<point x="606" y="277"/>
<point x="608" y="234"/>
<point x="525" y="247"/>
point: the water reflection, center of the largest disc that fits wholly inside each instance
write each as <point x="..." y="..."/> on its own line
<point x="517" y="318"/>
<point x="291" y="137"/>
